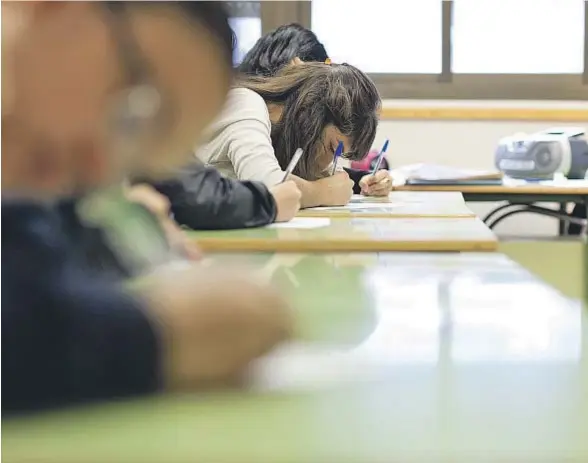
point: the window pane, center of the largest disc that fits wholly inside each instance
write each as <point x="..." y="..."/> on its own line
<point x="245" y="20"/>
<point x="248" y="31"/>
<point x="381" y="36"/>
<point x="518" y="36"/>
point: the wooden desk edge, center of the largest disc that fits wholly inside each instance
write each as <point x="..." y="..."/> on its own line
<point x="324" y="246"/>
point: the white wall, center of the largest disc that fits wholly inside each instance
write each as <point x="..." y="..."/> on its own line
<point x="466" y="144"/>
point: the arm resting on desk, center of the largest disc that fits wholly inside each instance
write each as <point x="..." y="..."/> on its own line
<point x="202" y="199"/>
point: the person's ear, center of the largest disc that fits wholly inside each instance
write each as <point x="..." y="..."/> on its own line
<point x="296" y="61"/>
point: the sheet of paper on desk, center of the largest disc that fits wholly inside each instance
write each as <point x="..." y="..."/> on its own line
<point x="303" y="222"/>
<point x="435" y="172"/>
<point x="355" y="199"/>
<point x="358" y="206"/>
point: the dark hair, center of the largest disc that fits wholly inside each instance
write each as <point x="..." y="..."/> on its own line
<point x="276" y="49"/>
<point x="314" y="95"/>
<point x="211" y="15"/>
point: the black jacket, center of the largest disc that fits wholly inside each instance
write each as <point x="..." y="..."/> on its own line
<point x="89" y="244"/>
<point x="125" y="242"/>
<point x="70" y="333"/>
<point x="202" y="199"/>
<point x="356" y="176"/>
<point x="579" y="212"/>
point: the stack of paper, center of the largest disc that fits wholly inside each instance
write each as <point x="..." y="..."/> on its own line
<point x="434" y="174"/>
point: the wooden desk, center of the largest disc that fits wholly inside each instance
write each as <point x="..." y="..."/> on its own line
<point x="355" y="235"/>
<point x="419" y="357"/>
<point x="521" y="197"/>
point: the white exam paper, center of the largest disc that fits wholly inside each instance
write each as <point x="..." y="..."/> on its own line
<point x="303" y="222"/>
<point x="357" y="206"/>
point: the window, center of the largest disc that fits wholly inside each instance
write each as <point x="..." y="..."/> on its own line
<point x="460" y="49"/>
<point x="381" y="36"/>
<point x="442" y="49"/>
<point x="518" y="37"/>
<point x="247" y="32"/>
<point x="245" y="20"/>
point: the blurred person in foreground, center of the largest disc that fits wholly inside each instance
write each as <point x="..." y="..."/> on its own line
<point x="93" y="92"/>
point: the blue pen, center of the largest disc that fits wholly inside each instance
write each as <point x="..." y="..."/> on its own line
<point x="338" y="153"/>
<point x="380" y="157"/>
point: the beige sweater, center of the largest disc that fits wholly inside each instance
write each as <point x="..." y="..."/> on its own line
<point x="240" y="145"/>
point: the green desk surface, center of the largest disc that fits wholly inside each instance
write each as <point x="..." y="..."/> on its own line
<point x="399" y="358"/>
<point x="320" y="234"/>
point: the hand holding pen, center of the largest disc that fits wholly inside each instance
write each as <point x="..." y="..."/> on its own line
<point x="338" y="187"/>
<point x="378" y="182"/>
<point x="286" y="194"/>
<point x="336" y="156"/>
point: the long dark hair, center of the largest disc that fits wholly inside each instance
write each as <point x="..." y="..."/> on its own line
<point x="279" y="47"/>
<point x="313" y="96"/>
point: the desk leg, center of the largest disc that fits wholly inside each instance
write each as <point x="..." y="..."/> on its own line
<point x="585" y="233"/>
<point x="563" y="209"/>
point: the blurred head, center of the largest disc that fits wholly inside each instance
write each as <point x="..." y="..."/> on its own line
<point x="280" y="47"/>
<point x="101" y="90"/>
<point x="314" y="106"/>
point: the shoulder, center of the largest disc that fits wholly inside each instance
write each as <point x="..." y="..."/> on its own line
<point x="245" y="104"/>
<point x="240" y="95"/>
<point x="244" y="110"/>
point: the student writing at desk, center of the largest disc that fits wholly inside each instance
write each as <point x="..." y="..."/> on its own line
<point x="71" y="75"/>
<point x="203" y="199"/>
<point x="310" y="106"/>
<point x="293" y="44"/>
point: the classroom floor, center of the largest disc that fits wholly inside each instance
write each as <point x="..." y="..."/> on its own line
<point x="557" y="262"/>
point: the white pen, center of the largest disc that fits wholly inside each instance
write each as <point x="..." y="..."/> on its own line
<point x="292" y="164"/>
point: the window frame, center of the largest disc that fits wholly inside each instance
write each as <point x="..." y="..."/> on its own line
<point x="448" y="85"/>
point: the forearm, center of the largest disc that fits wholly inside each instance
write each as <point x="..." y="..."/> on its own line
<point x="322" y="192"/>
<point x="313" y="194"/>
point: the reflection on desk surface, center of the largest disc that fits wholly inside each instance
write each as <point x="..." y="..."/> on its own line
<point x="398" y="357"/>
